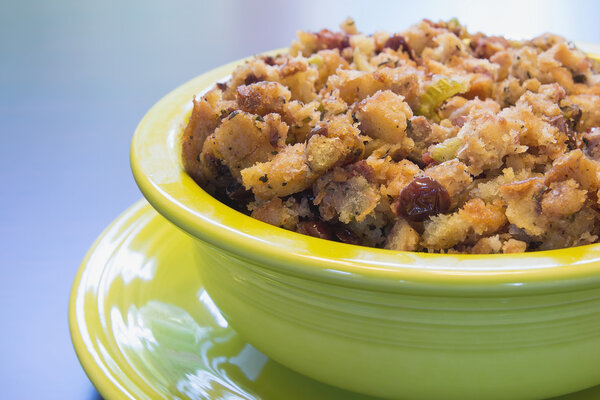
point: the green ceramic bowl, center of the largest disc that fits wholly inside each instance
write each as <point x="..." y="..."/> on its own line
<point x="386" y="323"/>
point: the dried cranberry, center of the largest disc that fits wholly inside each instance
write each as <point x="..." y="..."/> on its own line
<point x="251" y="78"/>
<point x="333" y="40"/>
<point x="394" y="42"/>
<point x="422" y="198"/>
<point x="269" y="60"/>
<point x="318" y="229"/>
<point x="397" y="41"/>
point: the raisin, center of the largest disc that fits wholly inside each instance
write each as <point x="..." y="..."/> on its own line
<point x="422" y="198"/>
<point x="318" y="229"/>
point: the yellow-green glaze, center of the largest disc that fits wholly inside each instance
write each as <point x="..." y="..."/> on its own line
<point x="386" y="323"/>
<point x="144" y="327"/>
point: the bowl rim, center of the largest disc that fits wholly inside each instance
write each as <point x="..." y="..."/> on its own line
<point x="156" y="166"/>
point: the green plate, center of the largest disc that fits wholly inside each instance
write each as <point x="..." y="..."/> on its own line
<point x="144" y="327"/>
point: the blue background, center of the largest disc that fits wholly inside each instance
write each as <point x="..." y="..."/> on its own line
<point x="77" y="76"/>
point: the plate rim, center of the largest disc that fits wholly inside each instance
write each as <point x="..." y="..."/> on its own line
<point x="99" y="378"/>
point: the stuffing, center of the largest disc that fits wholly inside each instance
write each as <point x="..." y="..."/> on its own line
<point x="244" y="139"/>
<point x="384" y="116"/>
<point x="486" y="139"/>
<point x="431" y="139"/>
<point x="452" y="175"/>
<point x="286" y="173"/>
<point x="285" y="214"/>
<point x="402" y="237"/>
<point x="204" y="119"/>
<point x="262" y="98"/>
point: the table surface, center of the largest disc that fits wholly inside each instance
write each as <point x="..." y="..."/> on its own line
<point x="76" y="77"/>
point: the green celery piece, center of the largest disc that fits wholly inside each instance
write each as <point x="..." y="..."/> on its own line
<point x="446" y="150"/>
<point x="438" y="92"/>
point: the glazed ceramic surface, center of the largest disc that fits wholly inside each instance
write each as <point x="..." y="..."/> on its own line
<point x="144" y="326"/>
<point x="386" y="323"/>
